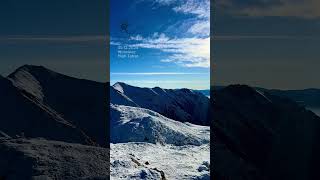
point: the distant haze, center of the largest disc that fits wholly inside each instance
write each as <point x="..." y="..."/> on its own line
<point x="270" y="44"/>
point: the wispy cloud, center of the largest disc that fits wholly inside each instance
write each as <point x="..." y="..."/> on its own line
<point x="200" y="27"/>
<point x="164" y="2"/>
<point x="187" y="52"/>
<point x="186" y="43"/>
<point x="199" y="23"/>
<point x="200" y="8"/>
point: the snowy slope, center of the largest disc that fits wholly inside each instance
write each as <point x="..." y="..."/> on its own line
<point x="133" y="124"/>
<point x="147" y="145"/>
<point x="151" y="161"/>
<point x="183" y="105"/>
<point x="153" y="136"/>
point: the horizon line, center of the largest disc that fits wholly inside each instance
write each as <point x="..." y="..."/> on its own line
<point x="155" y="73"/>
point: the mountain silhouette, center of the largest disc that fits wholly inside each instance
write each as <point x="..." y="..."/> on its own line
<point x="22" y="116"/>
<point x="82" y="102"/>
<point x="262" y="136"/>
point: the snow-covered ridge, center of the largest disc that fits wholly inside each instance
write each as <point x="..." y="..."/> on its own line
<point x="182" y="105"/>
<point x="143" y="125"/>
<point x="24" y="80"/>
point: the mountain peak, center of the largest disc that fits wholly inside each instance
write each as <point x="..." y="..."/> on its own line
<point x="25" y="78"/>
<point x="30" y="66"/>
<point x="119" y="86"/>
<point x="36" y="70"/>
<point x="239" y="89"/>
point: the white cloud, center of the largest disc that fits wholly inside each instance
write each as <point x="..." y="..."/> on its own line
<point x="187" y="52"/>
<point x="201" y="28"/>
<point x="136" y="38"/>
<point x="164" y="2"/>
<point x="201" y="8"/>
<point x="192" y="48"/>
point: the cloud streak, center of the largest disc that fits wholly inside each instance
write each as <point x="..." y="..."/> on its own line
<point x="200" y="8"/>
<point x="199" y="24"/>
<point x="266" y="37"/>
<point x="187" y="52"/>
<point x="54" y="39"/>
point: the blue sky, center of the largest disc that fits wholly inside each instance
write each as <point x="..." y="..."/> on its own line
<point x="170" y="40"/>
<point x="266" y="43"/>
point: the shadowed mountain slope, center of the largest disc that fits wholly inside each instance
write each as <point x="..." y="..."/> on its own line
<point x="262" y="136"/>
<point x="82" y="102"/>
<point x="22" y="116"/>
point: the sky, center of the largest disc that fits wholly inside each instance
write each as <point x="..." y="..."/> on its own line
<point x="66" y="36"/>
<point x="162" y="43"/>
<point x="267" y="43"/>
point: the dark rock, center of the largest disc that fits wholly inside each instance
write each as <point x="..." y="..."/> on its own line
<point x="262" y="136"/>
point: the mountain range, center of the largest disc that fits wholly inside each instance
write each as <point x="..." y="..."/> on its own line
<point x="48" y="120"/>
<point x="183" y="105"/>
<point x="52" y="126"/>
<point x="310" y="98"/>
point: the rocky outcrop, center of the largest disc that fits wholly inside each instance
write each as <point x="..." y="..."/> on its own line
<point x="42" y="159"/>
